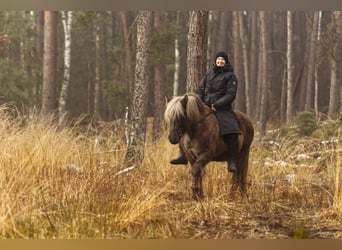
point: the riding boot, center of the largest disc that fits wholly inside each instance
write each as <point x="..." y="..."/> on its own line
<point x="181" y="159"/>
<point x="232" y="143"/>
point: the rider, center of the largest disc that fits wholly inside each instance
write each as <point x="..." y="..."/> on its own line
<point x="218" y="90"/>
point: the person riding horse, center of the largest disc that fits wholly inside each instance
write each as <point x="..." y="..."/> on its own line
<point x="218" y="90"/>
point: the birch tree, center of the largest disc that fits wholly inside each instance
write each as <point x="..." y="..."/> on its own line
<point x="289" y="56"/>
<point x="67" y="25"/>
<point x="135" y="148"/>
<point x="177" y="61"/>
<point x="264" y="82"/>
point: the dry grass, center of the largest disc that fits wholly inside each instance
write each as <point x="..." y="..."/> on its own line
<point x="63" y="183"/>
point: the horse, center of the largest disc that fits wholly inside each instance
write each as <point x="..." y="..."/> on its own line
<point x="195" y="126"/>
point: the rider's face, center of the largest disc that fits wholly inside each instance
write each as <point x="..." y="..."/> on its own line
<point x="220" y="61"/>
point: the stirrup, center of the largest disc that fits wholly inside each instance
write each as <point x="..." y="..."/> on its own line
<point x="232" y="167"/>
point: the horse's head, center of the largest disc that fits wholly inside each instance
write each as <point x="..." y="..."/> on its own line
<point x="176" y="119"/>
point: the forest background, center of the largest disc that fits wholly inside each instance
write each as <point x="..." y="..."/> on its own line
<point x="286" y="62"/>
<point x="78" y="89"/>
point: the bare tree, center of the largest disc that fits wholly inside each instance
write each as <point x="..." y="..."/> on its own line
<point x="264" y="80"/>
<point x="239" y="101"/>
<point x="310" y="81"/>
<point x="127" y="51"/>
<point x="135" y="149"/>
<point x="177" y="62"/>
<point x="98" y="85"/>
<point x="243" y="37"/>
<point x="49" y="62"/>
<point x="317" y="63"/>
<point x="159" y="73"/>
<point x="197" y="48"/>
<point x="335" y="63"/>
<point x="67" y="22"/>
<point x="289" y="56"/>
<point x="253" y="62"/>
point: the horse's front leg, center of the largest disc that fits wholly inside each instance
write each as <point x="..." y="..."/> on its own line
<point x="197" y="170"/>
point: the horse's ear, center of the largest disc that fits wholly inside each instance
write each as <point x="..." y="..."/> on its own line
<point x="184" y="100"/>
<point x="167" y="99"/>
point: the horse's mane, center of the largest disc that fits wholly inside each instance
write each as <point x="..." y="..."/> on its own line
<point x="175" y="110"/>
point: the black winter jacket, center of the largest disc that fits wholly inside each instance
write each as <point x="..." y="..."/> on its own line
<point x="218" y="87"/>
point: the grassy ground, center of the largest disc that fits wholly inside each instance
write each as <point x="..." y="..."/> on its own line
<point x="66" y="183"/>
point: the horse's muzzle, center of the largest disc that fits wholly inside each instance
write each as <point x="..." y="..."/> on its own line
<point x="174" y="138"/>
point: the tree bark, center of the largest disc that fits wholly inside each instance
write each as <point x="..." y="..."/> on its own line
<point x="135" y="149"/>
<point x="289" y="57"/>
<point x="98" y="85"/>
<point x="243" y="38"/>
<point x="240" y="97"/>
<point x="264" y="80"/>
<point x="310" y="82"/>
<point x="197" y="48"/>
<point x="49" y="63"/>
<point x="127" y="52"/>
<point x="317" y="62"/>
<point x="335" y="64"/>
<point x="67" y="22"/>
<point x="253" y="63"/>
<point x="177" y="61"/>
<point x="159" y="74"/>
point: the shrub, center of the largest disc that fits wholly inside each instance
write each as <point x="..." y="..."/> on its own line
<point x="306" y="122"/>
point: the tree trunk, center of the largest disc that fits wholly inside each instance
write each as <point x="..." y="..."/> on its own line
<point x="49" y="63"/>
<point x="197" y="48"/>
<point x="335" y="65"/>
<point x="159" y="74"/>
<point x="127" y="52"/>
<point x="310" y="82"/>
<point x="135" y="149"/>
<point x="253" y="63"/>
<point x="98" y="85"/>
<point x="67" y="22"/>
<point x="39" y="55"/>
<point x="239" y="101"/>
<point x="317" y="62"/>
<point x="264" y="80"/>
<point x="177" y="61"/>
<point x="222" y="37"/>
<point x="243" y="38"/>
<point x="289" y="55"/>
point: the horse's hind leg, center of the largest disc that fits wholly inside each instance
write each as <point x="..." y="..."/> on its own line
<point x="197" y="188"/>
<point x="240" y="177"/>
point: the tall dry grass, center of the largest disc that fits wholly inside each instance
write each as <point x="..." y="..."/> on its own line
<point x="64" y="183"/>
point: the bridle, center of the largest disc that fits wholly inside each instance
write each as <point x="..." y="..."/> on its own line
<point x="181" y="132"/>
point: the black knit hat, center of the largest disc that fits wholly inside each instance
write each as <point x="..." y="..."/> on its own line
<point x="222" y="54"/>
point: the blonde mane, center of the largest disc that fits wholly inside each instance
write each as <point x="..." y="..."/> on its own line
<point x="175" y="110"/>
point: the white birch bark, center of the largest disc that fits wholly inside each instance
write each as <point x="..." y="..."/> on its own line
<point x="177" y="64"/>
<point x="289" y="56"/>
<point x="67" y="25"/>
